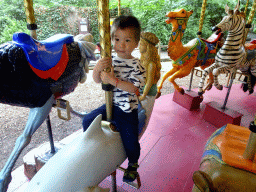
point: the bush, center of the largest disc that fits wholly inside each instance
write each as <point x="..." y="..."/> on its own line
<point x="61" y="16"/>
<point x="11" y="26"/>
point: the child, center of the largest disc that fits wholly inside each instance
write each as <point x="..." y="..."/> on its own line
<point x="127" y="76"/>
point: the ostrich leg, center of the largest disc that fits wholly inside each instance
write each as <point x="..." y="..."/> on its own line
<point x="35" y="119"/>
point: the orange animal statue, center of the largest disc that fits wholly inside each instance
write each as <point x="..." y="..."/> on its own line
<point x="228" y="162"/>
<point x="195" y="53"/>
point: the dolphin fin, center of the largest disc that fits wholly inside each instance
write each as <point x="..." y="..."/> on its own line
<point x="94" y="128"/>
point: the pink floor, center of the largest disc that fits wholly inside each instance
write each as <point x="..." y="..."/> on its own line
<point x="173" y="144"/>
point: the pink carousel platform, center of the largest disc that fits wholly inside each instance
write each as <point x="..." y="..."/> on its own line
<point x="172" y="146"/>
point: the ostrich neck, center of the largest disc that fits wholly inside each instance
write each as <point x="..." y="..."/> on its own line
<point x="175" y="46"/>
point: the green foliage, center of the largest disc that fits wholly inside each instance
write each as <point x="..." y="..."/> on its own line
<point x="65" y="19"/>
<point x="57" y="19"/>
<point x="13" y="9"/>
<point x="74" y="3"/>
<point x="12" y="19"/>
<point x="151" y="14"/>
<point x="61" y="16"/>
<point x="12" y="26"/>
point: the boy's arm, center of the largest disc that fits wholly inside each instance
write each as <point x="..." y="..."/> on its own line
<point x="127" y="86"/>
<point x="124" y="85"/>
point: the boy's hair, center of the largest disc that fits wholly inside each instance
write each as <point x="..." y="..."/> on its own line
<point x="126" y="21"/>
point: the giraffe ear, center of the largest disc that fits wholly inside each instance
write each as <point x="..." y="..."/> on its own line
<point x="227" y="9"/>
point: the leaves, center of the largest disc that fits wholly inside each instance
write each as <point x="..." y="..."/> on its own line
<point x="13" y="27"/>
<point x="61" y="16"/>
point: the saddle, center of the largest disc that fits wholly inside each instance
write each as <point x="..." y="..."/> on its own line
<point x="47" y="58"/>
<point x="214" y="38"/>
<point x="251" y="45"/>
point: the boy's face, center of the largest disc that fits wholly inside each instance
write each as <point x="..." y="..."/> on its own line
<point x="124" y="43"/>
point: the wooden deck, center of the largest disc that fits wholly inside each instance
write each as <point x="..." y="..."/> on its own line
<point x="172" y="146"/>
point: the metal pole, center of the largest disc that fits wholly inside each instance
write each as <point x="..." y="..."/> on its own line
<point x="113" y="178"/>
<point x="105" y="43"/>
<point x="31" y="23"/>
<point x="191" y="79"/>
<point x="32" y="26"/>
<point x="201" y="21"/>
<point x="229" y="88"/>
<point x="246" y="7"/>
<point x="250" y="19"/>
<point x="48" y="121"/>
<point x="119" y="7"/>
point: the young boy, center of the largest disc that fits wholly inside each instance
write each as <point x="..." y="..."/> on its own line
<point x="127" y="76"/>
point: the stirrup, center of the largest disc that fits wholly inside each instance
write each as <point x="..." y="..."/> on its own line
<point x="108" y="125"/>
<point x="63" y="104"/>
<point x="133" y="184"/>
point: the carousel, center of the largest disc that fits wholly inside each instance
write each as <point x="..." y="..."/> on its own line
<point x="189" y="141"/>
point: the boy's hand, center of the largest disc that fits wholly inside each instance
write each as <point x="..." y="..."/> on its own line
<point x="103" y="64"/>
<point x="108" y="77"/>
<point x="142" y="97"/>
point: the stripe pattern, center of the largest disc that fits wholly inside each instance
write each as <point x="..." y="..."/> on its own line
<point x="232" y="55"/>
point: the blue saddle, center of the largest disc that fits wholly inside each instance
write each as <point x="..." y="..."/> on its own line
<point x="42" y="55"/>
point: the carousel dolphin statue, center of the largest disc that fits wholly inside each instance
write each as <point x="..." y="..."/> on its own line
<point x="85" y="162"/>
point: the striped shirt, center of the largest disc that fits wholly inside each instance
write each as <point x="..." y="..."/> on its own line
<point x="129" y="70"/>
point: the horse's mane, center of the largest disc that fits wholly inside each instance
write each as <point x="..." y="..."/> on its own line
<point x="87" y="49"/>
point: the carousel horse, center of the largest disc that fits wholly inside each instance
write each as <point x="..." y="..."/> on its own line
<point x="195" y="53"/>
<point x="233" y="54"/>
<point x="97" y="152"/>
<point x="223" y="166"/>
<point x="34" y="74"/>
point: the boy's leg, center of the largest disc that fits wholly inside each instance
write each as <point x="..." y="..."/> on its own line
<point x="88" y="119"/>
<point x="127" y="125"/>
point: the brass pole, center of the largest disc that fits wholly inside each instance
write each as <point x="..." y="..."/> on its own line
<point x="246" y="7"/>
<point x="31" y="23"/>
<point x="119" y="7"/>
<point x="105" y="43"/>
<point x="201" y="21"/>
<point x="249" y="22"/>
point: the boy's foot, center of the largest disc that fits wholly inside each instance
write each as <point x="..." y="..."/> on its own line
<point x="131" y="172"/>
